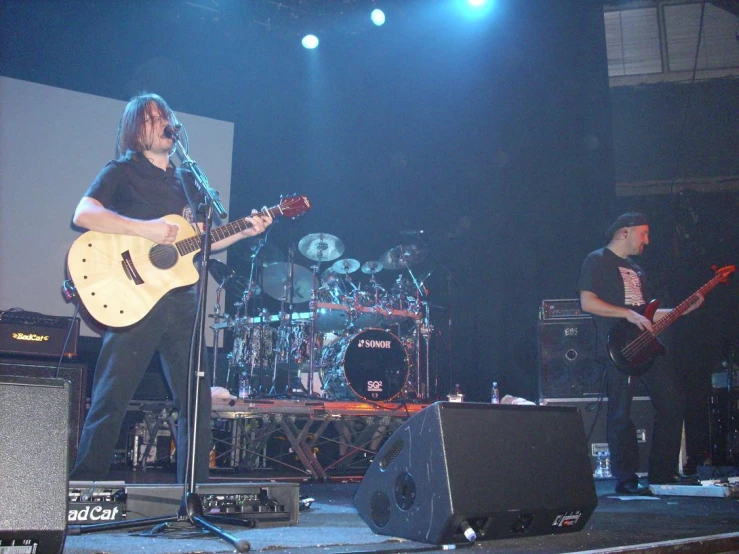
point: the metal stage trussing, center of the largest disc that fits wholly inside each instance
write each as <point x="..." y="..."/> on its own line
<point x="309" y="438"/>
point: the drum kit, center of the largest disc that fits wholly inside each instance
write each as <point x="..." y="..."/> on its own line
<point x="355" y="340"/>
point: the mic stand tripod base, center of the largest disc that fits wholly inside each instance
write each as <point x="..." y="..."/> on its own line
<point x="192" y="512"/>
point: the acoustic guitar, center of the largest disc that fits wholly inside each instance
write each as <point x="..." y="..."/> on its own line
<point x="119" y="278"/>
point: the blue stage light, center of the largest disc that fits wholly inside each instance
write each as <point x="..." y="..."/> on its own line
<point x="310" y="42"/>
<point x="378" y="17"/>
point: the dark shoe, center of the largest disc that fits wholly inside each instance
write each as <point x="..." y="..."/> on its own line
<point x="632" y="488"/>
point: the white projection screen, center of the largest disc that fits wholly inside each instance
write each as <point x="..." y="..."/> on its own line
<point x="53" y="142"/>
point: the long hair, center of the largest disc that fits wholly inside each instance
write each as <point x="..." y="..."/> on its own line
<point x="129" y="137"/>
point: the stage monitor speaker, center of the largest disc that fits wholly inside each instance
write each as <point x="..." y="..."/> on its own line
<point x="34" y="418"/>
<point x="76" y="374"/>
<point x="498" y="471"/>
<point x="566" y="357"/>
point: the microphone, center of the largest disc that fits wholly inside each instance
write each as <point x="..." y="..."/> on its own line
<point x="411" y="233"/>
<point x="170" y="131"/>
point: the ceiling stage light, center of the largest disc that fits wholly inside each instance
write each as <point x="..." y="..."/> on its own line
<point x="310" y="42"/>
<point x="378" y="17"/>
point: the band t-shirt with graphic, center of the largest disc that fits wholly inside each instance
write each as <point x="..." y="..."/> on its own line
<point x="615" y="280"/>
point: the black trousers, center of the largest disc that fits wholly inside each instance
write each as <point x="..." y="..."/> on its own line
<point x="124" y="357"/>
<point x="668" y="399"/>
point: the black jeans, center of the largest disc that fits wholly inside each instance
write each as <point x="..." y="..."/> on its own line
<point x="124" y="357"/>
<point x="668" y="399"/>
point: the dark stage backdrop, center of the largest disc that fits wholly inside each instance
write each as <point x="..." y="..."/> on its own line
<point x="492" y="135"/>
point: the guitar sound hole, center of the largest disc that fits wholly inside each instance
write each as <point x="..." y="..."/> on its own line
<point x="163" y="256"/>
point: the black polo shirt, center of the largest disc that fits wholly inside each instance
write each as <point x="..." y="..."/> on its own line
<point x="134" y="187"/>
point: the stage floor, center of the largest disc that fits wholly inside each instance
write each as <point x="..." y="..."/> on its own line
<point x="332" y="524"/>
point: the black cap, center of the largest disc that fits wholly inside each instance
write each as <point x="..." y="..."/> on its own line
<point x="629" y="219"/>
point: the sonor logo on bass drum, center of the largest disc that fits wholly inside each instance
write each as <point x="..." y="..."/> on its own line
<point x="365" y="343"/>
<point x="374" y="386"/>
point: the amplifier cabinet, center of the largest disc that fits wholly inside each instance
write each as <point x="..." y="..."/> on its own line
<point x="567" y="364"/>
<point x="642" y="413"/>
<point x="76" y="374"/>
<point x="38" y="335"/>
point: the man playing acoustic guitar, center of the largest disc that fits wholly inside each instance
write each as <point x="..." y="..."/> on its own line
<point x="130" y="197"/>
<point x="613" y="289"/>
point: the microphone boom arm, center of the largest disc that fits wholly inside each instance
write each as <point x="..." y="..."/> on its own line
<point x="211" y="195"/>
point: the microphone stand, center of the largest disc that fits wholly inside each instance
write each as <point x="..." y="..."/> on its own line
<point x="191" y="507"/>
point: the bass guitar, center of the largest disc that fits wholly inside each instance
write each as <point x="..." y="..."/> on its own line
<point x="119" y="278"/>
<point x="633" y="350"/>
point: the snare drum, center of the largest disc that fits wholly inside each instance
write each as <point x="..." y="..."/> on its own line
<point x="370" y="365"/>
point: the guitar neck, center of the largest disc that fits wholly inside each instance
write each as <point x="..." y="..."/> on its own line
<point x="193" y="244"/>
<point x="681" y="308"/>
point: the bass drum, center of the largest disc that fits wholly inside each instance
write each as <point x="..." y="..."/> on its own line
<point x="369" y="365"/>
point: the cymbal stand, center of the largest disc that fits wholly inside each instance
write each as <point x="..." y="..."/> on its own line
<point x="217" y="317"/>
<point x="312" y="339"/>
<point x="286" y="309"/>
<point x="425" y="329"/>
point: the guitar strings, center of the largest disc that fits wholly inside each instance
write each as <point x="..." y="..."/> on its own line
<point x="635" y="346"/>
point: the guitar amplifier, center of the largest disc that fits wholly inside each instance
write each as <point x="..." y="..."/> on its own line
<point x="561" y="308"/>
<point x="36" y="334"/>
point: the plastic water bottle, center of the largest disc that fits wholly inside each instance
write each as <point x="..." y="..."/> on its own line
<point x="495" y="394"/>
<point x="603" y="467"/>
<point x="244" y="386"/>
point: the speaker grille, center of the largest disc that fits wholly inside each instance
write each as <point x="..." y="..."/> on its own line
<point x="566" y="358"/>
<point x="393" y="452"/>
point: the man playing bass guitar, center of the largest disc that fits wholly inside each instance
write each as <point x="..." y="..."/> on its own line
<point x="613" y="289"/>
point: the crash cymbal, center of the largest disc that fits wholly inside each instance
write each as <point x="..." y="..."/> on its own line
<point x="345" y="266"/>
<point x="275" y="277"/>
<point x="226" y="277"/>
<point x="268" y="253"/>
<point x="403" y="256"/>
<point x="370" y="268"/>
<point x="321" y="247"/>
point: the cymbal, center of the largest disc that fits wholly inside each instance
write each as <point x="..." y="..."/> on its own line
<point x="268" y="254"/>
<point x="321" y="247"/>
<point x="345" y="266"/>
<point x="219" y="271"/>
<point x="226" y="277"/>
<point x="369" y="268"/>
<point x="275" y="278"/>
<point x="403" y="256"/>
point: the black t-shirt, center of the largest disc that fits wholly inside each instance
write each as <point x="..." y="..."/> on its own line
<point x="618" y="281"/>
<point x="134" y="187"/>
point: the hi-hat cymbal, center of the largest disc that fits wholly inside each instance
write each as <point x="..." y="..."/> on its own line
<point x="403" y="256"/>
<point x="226" y="277"/>
<point x="321" y="247"/>
<point x="370" y="268"/>
<point x="345" y="266"/>
<point x="275" y="278"/>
